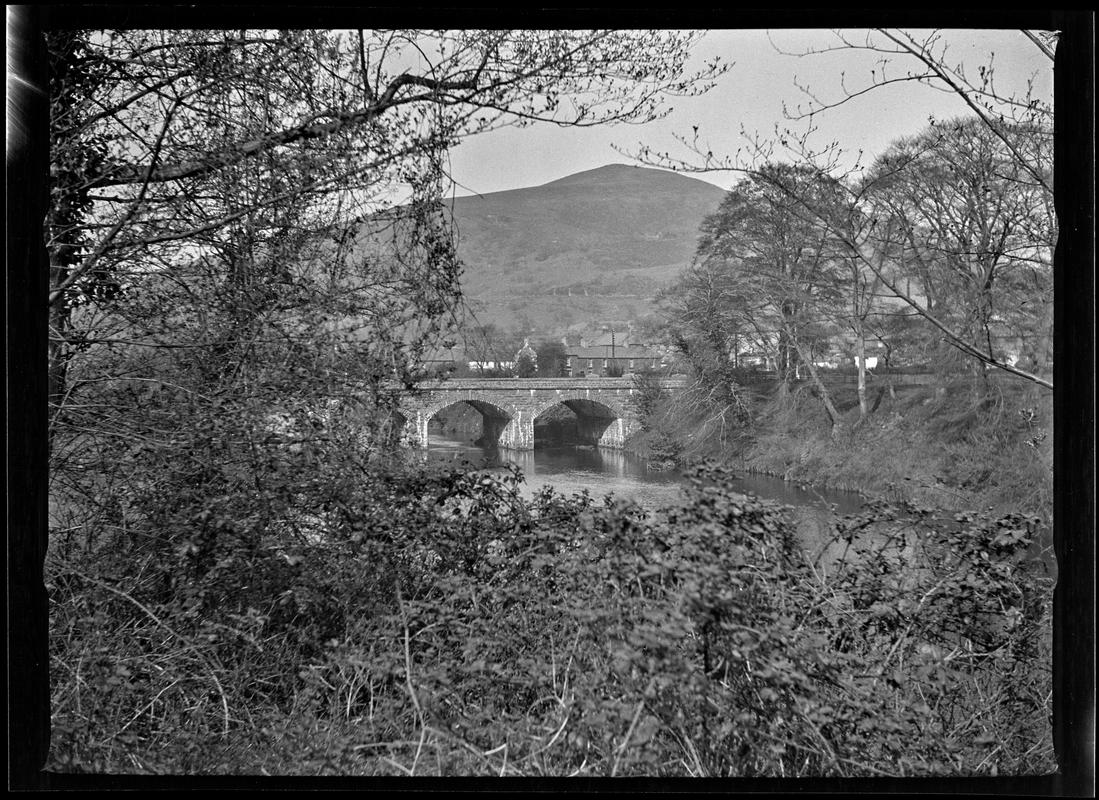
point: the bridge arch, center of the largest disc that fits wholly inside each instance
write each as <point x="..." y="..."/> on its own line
<point x="494" y="415"/>
<point x="595" y="419"/>
<point x="485" y="405"/>
<point x="600" y="420"/>
<point x="579" y="402"/>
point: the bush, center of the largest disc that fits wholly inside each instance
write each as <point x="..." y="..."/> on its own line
<point x="437" y="623"/>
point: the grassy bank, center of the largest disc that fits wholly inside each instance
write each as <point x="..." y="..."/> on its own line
<point x="957" y="445"/>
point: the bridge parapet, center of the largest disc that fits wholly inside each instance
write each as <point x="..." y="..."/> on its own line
<point x="497" y="384"/>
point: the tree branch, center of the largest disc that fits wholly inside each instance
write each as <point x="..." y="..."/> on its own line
<point x="90" y="262"/>
<point x="1046" y="51"/>
<point x="216" y="161"/>
<point x="948" y="79"/>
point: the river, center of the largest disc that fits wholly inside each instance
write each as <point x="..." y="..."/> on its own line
<point x="601" y="471"/>
<point x="573" y="468"/>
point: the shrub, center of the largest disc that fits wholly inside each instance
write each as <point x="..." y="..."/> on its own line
<point x="440" y="624"/>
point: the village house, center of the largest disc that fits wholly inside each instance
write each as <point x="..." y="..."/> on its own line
<point x="598" y="362"/>
<point x="610" y="354"/>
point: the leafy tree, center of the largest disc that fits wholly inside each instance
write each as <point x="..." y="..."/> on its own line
<point x="526" y="365"/>
<point x="766" y="268"/>
<point x="974" y="232"/>
<point x="1020" y="120"/>
<point x="648" y="397"/>
<point x="551" y="359"/>
<point x="705" y="328"/>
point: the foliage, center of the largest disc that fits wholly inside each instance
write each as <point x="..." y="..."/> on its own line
<point x="959" y="216"/>
<point x="249" y="258"/>
<point x="242" y="581"/>
<point x="648" y="396"/>
<point x="526" y="365"/>
<point x="435" y="623"/>
<point x="658" y="439"/>
<point x="937" y="445"/>
<point x="552" y="360"/>
<point x="293" y="180"/>
<point x="982" y="186"/>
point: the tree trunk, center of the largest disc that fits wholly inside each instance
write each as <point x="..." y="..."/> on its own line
<point x="860" y="357"/>
<point x="825" y="397"/>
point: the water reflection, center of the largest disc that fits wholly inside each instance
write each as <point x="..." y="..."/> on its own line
<point x="571" y="468"/>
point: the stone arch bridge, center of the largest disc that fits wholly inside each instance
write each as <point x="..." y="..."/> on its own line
<point x="509" y="406"/>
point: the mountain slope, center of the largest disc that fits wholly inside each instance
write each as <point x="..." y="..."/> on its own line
<point x="595" y="239"/>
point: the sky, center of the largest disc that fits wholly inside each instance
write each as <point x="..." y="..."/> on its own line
<point x="751" y="96"/>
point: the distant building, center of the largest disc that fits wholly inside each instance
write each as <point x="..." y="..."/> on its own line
<point x="602" y="360"/>
<point x="754" y="359"/>
<point x="457" y="362"/>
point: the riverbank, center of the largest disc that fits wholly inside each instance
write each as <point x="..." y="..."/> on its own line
<point x="952" y="446"/>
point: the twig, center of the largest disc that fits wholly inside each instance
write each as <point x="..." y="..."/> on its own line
<point x="699" y="769"/>
<point x="190" y="645"/>
<point x="408" y="681"/>
<point x="629" y="732"/>
<point x="142" y="711"/>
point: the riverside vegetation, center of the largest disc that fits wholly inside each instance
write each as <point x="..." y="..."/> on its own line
<point x="438" y="624"/>
<point x="243" y="227"/>
<point x="947" y="444"/>
<point x="244" y="579"/>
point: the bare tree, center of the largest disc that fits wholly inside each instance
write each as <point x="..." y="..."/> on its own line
<point x="905" y="57"/>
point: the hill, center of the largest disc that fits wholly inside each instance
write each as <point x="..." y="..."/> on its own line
<point x="594" y="245"/>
